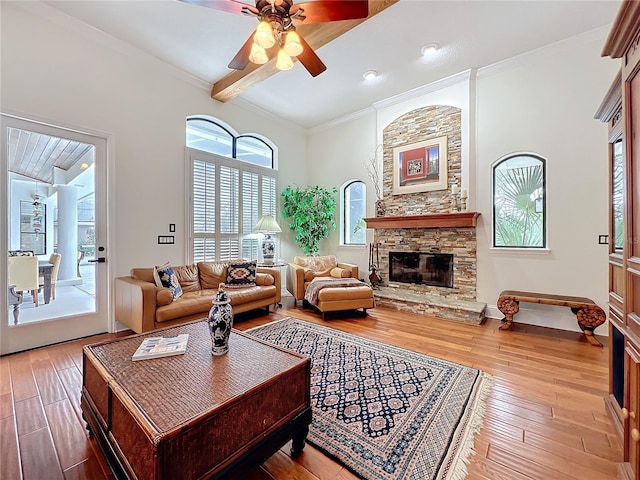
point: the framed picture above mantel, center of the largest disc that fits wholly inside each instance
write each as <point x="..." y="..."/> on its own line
<point x="420" y="167"/>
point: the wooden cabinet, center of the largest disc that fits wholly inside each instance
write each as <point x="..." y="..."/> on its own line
<point x="621" y="109"/>
<point x="631" y="413"/>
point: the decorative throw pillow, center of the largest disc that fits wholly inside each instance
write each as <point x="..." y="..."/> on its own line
<point x="163" y="296"/>
<point x="166" y="277"/>
<point x="241" y="274"/>
<point x="338" y="272"/>
<point x="265" y="279"/>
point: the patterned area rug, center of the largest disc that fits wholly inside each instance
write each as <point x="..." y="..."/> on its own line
<point x="384" y="412"/>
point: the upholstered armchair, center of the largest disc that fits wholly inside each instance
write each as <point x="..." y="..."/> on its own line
<point x="304" y="269"/>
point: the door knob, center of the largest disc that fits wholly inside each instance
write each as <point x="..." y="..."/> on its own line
<point x="635" y="435"/>
<point x="627" y="414"/>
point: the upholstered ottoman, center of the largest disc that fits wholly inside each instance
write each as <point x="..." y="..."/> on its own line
<point x="331" y="299"/>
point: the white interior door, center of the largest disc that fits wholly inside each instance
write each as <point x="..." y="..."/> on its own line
<point x="54" y="182"/>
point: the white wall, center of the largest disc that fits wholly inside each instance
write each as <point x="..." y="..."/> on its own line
<point x="542" y="102"/>
<point x="337" y="154"/>
<point x="545" y="104"/>
<point x="70" y="77"/>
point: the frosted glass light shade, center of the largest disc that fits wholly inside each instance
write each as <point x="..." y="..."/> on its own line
<point x="258" y="54"/>
<point x="284" y="61"/>
<point x="264" y="35"/>
<point x="292" y="45"/>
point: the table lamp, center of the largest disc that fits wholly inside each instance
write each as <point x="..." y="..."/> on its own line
<point x="268" y="225"/>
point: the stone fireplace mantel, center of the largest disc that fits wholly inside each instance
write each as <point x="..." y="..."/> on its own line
<point x="435" y="220"/>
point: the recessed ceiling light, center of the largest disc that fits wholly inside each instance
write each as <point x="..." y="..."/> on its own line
<point x="370" y="74"/>
<point x="430" y="49"/>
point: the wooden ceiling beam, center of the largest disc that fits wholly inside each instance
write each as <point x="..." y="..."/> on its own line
<point x="316" y="35"/>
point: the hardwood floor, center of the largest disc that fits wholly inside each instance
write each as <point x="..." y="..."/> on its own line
<point x="545" y="417"/>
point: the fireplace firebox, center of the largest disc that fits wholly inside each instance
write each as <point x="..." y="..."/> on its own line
<point x="435" y="269"/>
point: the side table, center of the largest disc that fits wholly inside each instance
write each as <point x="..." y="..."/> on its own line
<point x="282" y="268"/>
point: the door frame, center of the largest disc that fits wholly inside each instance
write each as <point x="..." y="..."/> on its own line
<point x="12" y="337"/>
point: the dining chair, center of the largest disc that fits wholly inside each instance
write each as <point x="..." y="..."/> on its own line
<point x="54" y="260"/>
<point x="23" y="273"/>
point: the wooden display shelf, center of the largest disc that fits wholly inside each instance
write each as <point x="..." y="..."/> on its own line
<point x="435" y="220"/>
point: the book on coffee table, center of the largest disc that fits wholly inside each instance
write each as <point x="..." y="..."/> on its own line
<point x="156" y="347"/>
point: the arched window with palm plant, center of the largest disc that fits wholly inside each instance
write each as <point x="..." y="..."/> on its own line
<point x="519" y="201"/>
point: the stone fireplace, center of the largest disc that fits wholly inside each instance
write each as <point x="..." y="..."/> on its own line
<point x="427" y="222"/>
<point x="449" y="235"/>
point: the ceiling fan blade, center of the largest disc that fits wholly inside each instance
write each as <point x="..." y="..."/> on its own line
<point x="230" y="6"/>
<point x="310" y="60"/>
<point x="331" y="10"/>
<point x="241" y="60"/>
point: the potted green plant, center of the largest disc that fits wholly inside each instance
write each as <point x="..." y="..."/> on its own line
<point x="311" y="210"/>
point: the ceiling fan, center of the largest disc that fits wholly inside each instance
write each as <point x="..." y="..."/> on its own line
<point x="276" y="34"/>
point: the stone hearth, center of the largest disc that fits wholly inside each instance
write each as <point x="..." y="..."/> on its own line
<point x="433" y="305"/>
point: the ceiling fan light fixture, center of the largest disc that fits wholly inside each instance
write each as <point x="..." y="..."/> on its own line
<point x="292" y="44"/>
<point x="284" y="61"/>
<point x="258" y="54"/>
<point x="429" y="49"/>
<point x="264" y="35"/>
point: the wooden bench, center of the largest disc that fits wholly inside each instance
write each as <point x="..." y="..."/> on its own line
<point x="587" y="312"/>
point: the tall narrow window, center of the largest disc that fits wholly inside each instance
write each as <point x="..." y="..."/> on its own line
<point x="519" y="202"/>
<point x="353" y="205"/>
<point x="228" y="197"/>
<point x="618" y="196"/>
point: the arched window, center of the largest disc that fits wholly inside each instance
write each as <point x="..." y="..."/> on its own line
<point x="519" y="201"/>
<point x="214" y="136"/>
<point x="353" y="196"/>
<point x="227" y="196"/>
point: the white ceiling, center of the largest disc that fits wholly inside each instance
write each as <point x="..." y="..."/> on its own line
<point x="472" y="34"/>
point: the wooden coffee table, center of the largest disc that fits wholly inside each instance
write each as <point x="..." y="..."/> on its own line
<point x="194" y="415"/>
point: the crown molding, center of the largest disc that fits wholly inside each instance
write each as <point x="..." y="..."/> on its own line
<point x="252" y="107"/>
<point x="402" y="97"/>
<point x="426" y="89"/>
<point x="597" y="34"/>
<point x="337" y="121"/>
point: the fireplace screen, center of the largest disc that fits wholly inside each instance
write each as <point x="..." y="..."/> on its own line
<point x="434" y="269"/>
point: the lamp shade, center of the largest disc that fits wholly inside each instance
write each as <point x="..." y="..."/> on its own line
<point x="292" y="45"/>
<point x="267" y="224"/>
<point x="264" y="35"/>
<point x="258" y="54"/>
<point x="284" y="61"/>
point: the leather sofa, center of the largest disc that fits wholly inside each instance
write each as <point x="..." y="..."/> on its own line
<point x="304" y="270"/>
<point x="142" y="306"/>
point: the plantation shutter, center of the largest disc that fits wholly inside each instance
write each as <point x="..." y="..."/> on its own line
<point x="229" y="189"/>
<point x="228" y="199"/>
<point x="250" y="206"/>
<point x="268" y="195"/>
<point x="204" y="208"/>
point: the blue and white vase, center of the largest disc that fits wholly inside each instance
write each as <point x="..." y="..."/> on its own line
<point x="268" y="249"/>
<point x="220" y="322"/>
